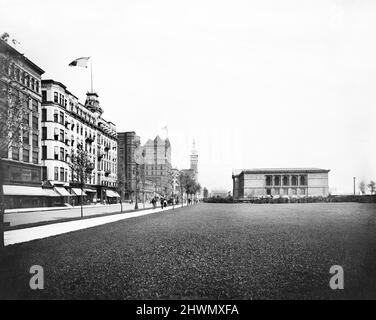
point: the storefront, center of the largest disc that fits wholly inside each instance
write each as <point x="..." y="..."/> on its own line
<point x="27" y="197"/>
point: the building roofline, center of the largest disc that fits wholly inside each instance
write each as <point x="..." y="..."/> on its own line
<point x="282" y="170"/>
<point x="22" y="56"/>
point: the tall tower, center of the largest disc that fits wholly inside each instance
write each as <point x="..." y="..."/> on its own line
<point x="194" y="160"/>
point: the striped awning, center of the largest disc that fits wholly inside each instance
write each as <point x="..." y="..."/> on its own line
<point x="62" y="191"/>
<point x="77" y="192"/>
<point x="51" y="193"/>
<point x="112" y="194"/>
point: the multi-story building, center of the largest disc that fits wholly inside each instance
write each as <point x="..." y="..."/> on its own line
<point x="68" y="125"/>
<point x="127" y="143"/>
<point x="157" y="155"/>
<point x="254" y="183"/>
<point x="21" y="165"/>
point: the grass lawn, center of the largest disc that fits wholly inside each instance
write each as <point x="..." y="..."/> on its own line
<point x="216" y="251"/>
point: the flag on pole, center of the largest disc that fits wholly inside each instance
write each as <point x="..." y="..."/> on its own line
<point x="80" y="62"/>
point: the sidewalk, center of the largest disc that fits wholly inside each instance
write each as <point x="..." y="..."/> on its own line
<point x="67" y="207"/>
<point x="33" y="233"/>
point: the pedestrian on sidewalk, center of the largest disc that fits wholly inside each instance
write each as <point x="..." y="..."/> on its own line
<point x="162" y="203"/>
<point x="154" y="202"/>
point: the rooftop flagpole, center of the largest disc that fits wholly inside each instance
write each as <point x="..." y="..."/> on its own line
<point x="91" y="69"/>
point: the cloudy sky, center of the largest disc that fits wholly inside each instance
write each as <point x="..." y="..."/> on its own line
<point x="257" y="83"/>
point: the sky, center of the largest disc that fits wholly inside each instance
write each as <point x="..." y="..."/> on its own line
<point x="257" y="84"/>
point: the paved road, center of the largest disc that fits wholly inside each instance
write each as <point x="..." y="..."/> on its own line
<point x="54" y="215"/>
<point x="215" y="251"/>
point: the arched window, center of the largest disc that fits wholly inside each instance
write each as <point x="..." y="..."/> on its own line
<point x="285" y="180"/>
<point x="294" y="180"/>
<point x="268" y="180"/>
<point x="277" y="180"/>
<point x="303" y="180"/>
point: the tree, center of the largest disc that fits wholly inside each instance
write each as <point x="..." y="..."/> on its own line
<point x="362" y="187"/>
<point x="372" y="186"/>
<point x="187" y="183"/>
<point x="13" y="105"/>
<point x="206" y="193"/>
<point x="81" y="167"/>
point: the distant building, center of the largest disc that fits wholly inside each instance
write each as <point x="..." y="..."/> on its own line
<point x="219" y="194"/>
<point x="253" y="183"/>
<point x="194" y="161"/>
<point x="128" y="142"/>
<point x="21" y="163"/>
<point x="157" y="155"/>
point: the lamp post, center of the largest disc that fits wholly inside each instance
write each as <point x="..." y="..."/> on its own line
<point x="354" y="184"/>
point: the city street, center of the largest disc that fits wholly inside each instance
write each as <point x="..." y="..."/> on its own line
<point x="216" y="251"/>
<point x="22" y="218"/>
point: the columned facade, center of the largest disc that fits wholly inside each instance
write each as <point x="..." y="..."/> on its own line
<point x="255" y="183"/>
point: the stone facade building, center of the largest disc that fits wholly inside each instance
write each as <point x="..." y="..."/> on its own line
<point x="158" y="164"/>
<point x="21" y="162"/>
<point x="68" y="125"/>
<point x="254" y="183"/>
<point x="127" y="143"/>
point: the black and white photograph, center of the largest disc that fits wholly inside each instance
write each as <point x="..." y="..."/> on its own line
<point x="188" y="156"/>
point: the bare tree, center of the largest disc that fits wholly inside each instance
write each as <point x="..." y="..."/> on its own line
<point x="362" y="187"/>
<point x="13" y="105"/>
<point x="81" y="167"/>
<point x="372" y="186"/>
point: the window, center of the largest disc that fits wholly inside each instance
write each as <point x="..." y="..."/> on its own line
<point x="27" y="80"/>
<point x="56" y="173"/>
<point x="56" y="133"/>
<point x="44" y="173"/>
<point x="56" y="153"/>
<point x="37" y="86"/>
<point x="34" y="104"/>
<point x="35" y="123"/>
<point x="61" y="135"/>
<point x="62" y="117"/>
<point x="303" y="180"/>
<point x="15" y="153"/>
<point x="277" y="180"/>
<point x="302" y="191"/>
<point x="268" y="180"/>
<point x="44" y="152"/>
<point x="44" y="114"/>
<point x="268" y="192"/>
<point x="25" y="119"/>
<point x="35" y="157"/>
<point x="26" y="155"/>
<point x="294" y="191"/>
<point x="61" y="174"/>
<point x="294" y="181"/>
<point x="56" y="99"/>
<point x="62" y="154"/>
<point x="285" y="180"/>
<point x="32" y="84"/>
<point x="56" y="116"/>
<point x="35" y="140"/>
<point x="25" y="137"/>
<point x="44" y="95"/>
